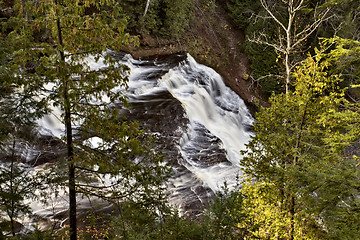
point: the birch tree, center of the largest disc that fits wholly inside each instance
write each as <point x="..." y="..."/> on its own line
<point x="295" y="22"/>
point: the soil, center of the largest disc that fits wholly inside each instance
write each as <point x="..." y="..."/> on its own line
<point x="213" y="40"/>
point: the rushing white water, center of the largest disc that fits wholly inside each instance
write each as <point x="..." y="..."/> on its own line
<point x="211" y="105"/>
<point x="217" y="126"/>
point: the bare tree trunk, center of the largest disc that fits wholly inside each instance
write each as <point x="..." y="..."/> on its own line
<point x="291" y="36"/>
<point x="147" y="7"/>
<point x="288" y="73"/>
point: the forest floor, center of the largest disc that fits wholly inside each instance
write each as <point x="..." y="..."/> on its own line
<point x="213" y="40"/>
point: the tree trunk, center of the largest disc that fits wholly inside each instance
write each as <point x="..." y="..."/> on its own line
<point x="293" y="33"/>
<point x="70" y="151"/>
<point x="70" y="155"/>
<point x="292" y="217"/>
<point x="12" y="222"/>
<point x="288" y="73"/>
<point x="295" y="162"/>
<point x="288" y="49"/>
<point x="11" y="215"/>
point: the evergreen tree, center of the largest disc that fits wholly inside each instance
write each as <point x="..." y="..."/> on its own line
<point x="345" y="22"/>
<point x="56" y="37"/>
<point x="345" y="60"/>
<point x="299" y="148"/>
<point x="225" y="215"/>
<point x="162" y="17"/>
<point x="279" y="33"/>
<point x="19" y="110"/>
<point x="17" y="183"/>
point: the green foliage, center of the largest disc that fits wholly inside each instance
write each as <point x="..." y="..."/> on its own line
<point x="19" y="109"/>
<point x="243" y="12"/>
<point x="138" y="222"/>
<point x="16" y="185"/>
<point x="224" y="215"/>
<point x="164" y="17"/>
<point x="35" y="235"/>
<point x="345" y="22"/>
<point x="57" y="43"/>
<point x="125" y="154"/>
<point x="86" y="28"/>
<point x="177" y="16"/>
<point x="266" y="218"/>
<point x="180" y="227"/>
<point x="221" y="221"/>
<point x="344" y="56"/>
<point x="299" y="146"/>
<point x="265" y="67"/>
<point x="264" y="61"/>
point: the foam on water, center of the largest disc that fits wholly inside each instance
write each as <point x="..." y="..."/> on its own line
<point x="216" y="107"/>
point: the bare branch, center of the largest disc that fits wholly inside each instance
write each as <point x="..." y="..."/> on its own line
<point x="266" y="7"/>
<point x="309" y="30"/>
<point x="258" y="40"/>
<point x="290" y="36"/>
<point x="299" y="7"/>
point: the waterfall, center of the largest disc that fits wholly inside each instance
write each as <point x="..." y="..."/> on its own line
<point x="214" y="110"/>
<point x="216" y="122"/>
<point x="202" y="123"/>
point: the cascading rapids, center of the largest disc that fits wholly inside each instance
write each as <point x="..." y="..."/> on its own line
<point x="203" y="124"/>
<point x="214" y="110"/>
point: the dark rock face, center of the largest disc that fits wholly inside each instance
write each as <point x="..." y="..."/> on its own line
<point x="162" y="117"/>
<point x="37" y="151"/>
<point x="50" y="150"/>
<point x="210" y="153"/>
